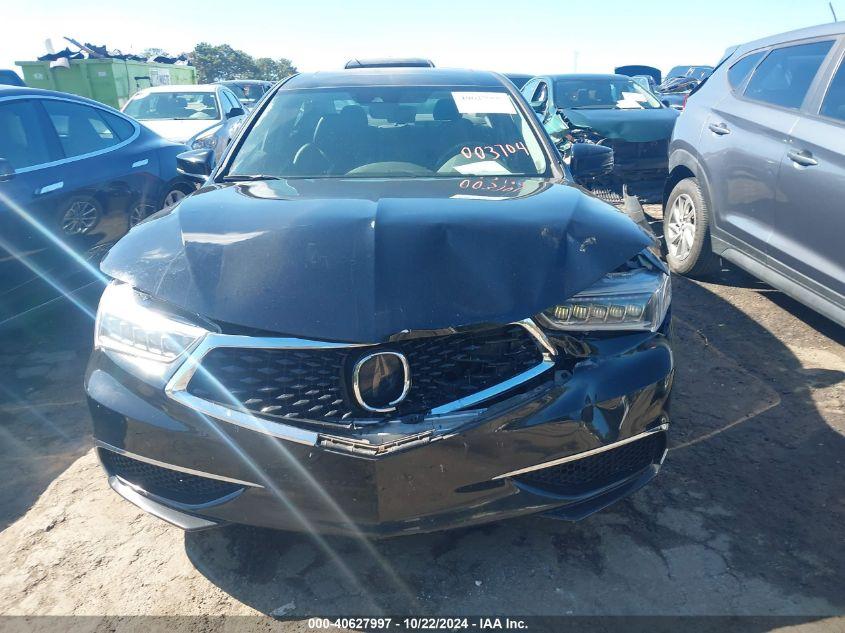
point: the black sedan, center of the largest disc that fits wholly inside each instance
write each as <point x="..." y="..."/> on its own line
<point x="615" y="111"/>
<point x="388" y="310"/>
<point x="75" y="175"/>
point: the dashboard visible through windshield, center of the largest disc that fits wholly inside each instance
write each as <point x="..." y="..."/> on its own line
<point x="390" y="131"/>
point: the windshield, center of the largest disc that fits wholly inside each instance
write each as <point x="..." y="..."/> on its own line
<point x="602" y="94"/>
<point x="390" y="131"/>
<point x="173" y="105"/>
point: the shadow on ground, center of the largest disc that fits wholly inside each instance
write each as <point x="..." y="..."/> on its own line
<point x="745" y="518"/>
<point x="44" y="422"/>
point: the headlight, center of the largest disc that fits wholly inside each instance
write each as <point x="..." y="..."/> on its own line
<point x="634" y="297"/>
<point x="205" y="140"/>
<point x="131" y="323"/>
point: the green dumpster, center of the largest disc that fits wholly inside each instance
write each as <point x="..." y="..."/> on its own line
<point x="110" y="81"/>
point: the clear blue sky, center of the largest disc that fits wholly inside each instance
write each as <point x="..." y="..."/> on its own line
<point x="506" y="36"/>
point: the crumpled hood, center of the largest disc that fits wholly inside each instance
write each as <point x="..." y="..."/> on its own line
<point x="637" y="126"/>
<point x="360" y="260"/>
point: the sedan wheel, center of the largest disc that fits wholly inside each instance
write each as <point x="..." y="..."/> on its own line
<point x="138" y="213"/>
<point x="173" y="197"/>
<point x="81" y="216"/>
<point x="680" y="227"/>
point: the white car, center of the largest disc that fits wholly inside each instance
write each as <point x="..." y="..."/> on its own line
<point x="200" y="116"/>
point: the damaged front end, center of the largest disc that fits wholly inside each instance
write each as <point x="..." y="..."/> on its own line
<point x="640" y="149"/>
<point x="203" y="423"/>
<point x="381" y="357"/>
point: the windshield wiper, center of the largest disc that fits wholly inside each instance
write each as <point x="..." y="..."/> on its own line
<point x="241" y="177"/>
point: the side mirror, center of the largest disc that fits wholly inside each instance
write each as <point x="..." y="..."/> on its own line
<point x="235" y="112"/>
<point x="590" y="161"/>
<point x="538" y="106"/>
<point x="7" y="172"/>
<point x="196" y="165"/>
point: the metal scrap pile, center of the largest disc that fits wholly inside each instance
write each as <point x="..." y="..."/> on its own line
<point x="92" y="51"/>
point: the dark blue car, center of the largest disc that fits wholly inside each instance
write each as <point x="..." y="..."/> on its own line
<point x="10" y="77"/>
<point x="75" y="176"/>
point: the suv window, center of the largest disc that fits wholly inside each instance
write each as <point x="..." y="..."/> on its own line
<point x="740" y="70"/>
<point x="81" y="129"/>
<point x="22" y="139"/>
<point x="834" y="102"/>
<point x="784" y="77"/>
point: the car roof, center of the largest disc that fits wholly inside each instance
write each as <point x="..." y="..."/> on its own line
<point x="397" y="77"/>
<point x="182" y="88"/>
<point x="829" y="28"/>
<point x="607" y="76"/>
<point x="389" y="62"/>
<point x="226" y="82"/>
<point x="26" y="91"/>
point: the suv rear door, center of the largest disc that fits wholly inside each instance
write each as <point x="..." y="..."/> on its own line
<point x="745" y="138"/>
<point x="808" y="234"/>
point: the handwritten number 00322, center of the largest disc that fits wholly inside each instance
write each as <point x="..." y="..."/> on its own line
<point x="482" y="152"/>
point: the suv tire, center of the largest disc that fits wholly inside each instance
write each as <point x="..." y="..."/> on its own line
<point x="686" y="231"/>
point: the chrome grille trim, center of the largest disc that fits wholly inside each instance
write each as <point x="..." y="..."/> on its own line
<point x="168" y="466"/>
<point x="662" y="428"/>
<point x="176" y="388"/>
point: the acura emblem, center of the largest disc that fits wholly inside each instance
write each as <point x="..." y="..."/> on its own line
<point x="381" y="380"/>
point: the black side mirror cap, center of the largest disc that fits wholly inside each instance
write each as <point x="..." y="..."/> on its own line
<point x="7" y="172"/>
<point x="590" y="161"/>
<point x="196" y="164"/>
<point x="235" y="112"/>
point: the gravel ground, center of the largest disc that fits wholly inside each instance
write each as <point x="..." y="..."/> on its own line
<point x="745" y="518"/>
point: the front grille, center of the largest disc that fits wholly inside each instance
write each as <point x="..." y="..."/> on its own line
<point x="315" y="384"/>
<point x="163" y="482"/>
<point x="597" y="471"/>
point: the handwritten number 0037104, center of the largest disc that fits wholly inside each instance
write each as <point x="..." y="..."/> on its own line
<point x="483" y="152"/>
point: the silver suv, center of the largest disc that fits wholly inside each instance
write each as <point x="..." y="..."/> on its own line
<point x="757" y="168"/>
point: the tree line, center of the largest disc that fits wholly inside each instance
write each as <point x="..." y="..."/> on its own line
<point x="220" y="62"/>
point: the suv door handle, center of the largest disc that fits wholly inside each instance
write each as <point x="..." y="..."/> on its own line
<point x="803" y="158"/>
<point x="719" y="128"/>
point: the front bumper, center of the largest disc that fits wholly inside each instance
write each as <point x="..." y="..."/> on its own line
<point x="603" y="397"/>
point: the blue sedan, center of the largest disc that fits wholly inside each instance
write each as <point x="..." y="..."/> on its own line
<point x="75" y="176"/>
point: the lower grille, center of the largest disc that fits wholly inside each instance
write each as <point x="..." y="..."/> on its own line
<point x="315" y="384"/>
<point x="597" y="471"/>
<point x="163" y="482"/>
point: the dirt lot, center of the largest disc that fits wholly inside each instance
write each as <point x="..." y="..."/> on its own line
<point x="745" y="519"/>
